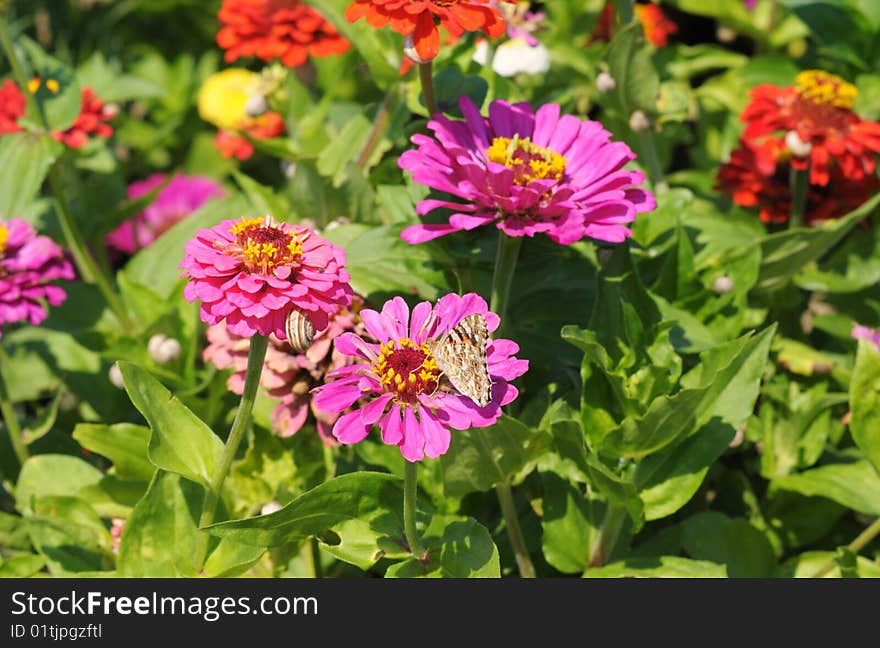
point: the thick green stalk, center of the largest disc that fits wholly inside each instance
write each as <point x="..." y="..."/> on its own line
<point x="256" y="355"/>
<point x="506" y="256"/>
<point x="426" y="76"/>
<point x="410" y="490"/>
<point x="9" y="418"/>
<point x="380" y="125"/>
<point x="608" y="534"/>
<point x="514" y="531"/>
<point x="315" y="552"/>
<point x="85" y="263"/>
<point x="861" y="541"/>
<point x="798" y="181"/>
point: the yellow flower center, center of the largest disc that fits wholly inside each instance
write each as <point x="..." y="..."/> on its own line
<point x="263" y="245"/>
<point x="825" y="88"/>
<point x="4" y="236"/>
<point x="51" y="84"/>
<point x="406" y="370"/>
<point x="528" y="161"/>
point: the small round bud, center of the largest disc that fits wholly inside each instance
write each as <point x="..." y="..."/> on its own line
<point x="725" y="34"/>
<point x="409" y="48"/>
<point x="722" y="285"/>
<point x="115" y="375"/>
<point x="639" y="122"/>
<point x="154" y="343"/>
<point x="256" y="105"/>
<point x="169" y="350"/>
<point x="605" y="82"/>
<point x="111" y="110"/>
<point x="288" y="168"/>
<point x="270" y="507"/>
<point x="68" y="401"/>
<point x="798" y="147"/>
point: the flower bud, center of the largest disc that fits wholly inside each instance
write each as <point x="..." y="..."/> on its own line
<point x="409" y="48"/>
<point x="639" y="122"/>
<point x="725" y="34"/>
<point x="798" y="147"/>
<point x="605" y="82"/>
<point x="115" y="375"/>
<point x="256" y="105"/>
<point x="722" y="285"/>
<point x="163" y="349"/>
<point x="270" y="507"/>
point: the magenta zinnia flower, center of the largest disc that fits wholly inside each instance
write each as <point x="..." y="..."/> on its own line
<point x="860" y="332"/>
<point x="528" y="172"/>
<point x="252" y="272"/>
<point x="399" y="386"/>
<point x="183" y="195"/>
<point x="27" y="263"/>
<point x="287" y="377"/>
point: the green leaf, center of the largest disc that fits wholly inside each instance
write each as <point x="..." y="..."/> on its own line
<point x="807" y="564"/>
<point x="23" y="566"/>
<point x="334" y="158"/>
<point x="480" y="458"/>
<point x="52" y="474"/>
<point x="111" y="86"/>
<point x="864" y="399"/>
<point x="263" y="199"/>
<point x="629" y="60"/>
<point x="570" y="524"/>
<point x="124" y="444"/>
<point x="60" y="105"/>
<point x="457" y="548"/>
<point x="855" y="484"/>
<point x="159" y="539"/>
<point x="658" y="567"/>
<point x="180" y="441"/>
<point x="13" y="532"/>
<point x="231" y="559"/>
<point x="784" y="254"/>
<point x="362" y="510"/>
<point x="70" y="535"/>
<point x="744" y="550"/>
<point x="450" y="85"/>
<point x="31" y="156"/>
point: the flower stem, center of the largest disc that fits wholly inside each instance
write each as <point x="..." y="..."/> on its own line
<point x="256" y="355"/>
<point x="380" y="125"/>
<point x="861" y="541"/>
<point x="315" y="553"/>
<point x="410" y="489"/>
<point x="9" y="418"/>
<point x="798" y="180"/>
<point x="506" y="256"/>
<point x="86" y="265"/>
<point x="514" y="531"/>
<point x="426" y="76"/>
<point x="625" y="11"/>
<point x="608" y="534"/>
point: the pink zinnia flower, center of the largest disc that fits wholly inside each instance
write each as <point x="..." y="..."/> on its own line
<point x="526" y="171"/>
<point x="860" y="332"/>
<point x="182" y="196"/>
<point x="252" y="272"/>
<point x="399" y="385"/>
<point x="287" y="377"/>
<point x="27" y="263"/>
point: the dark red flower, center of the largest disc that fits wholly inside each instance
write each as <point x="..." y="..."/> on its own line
<point x="286" y="30"/>
<point x="92" y="120"/>
<point x="12" y="104"/>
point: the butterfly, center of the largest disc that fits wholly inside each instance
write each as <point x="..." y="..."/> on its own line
<point x="461" y="356"/>
<point x="299" y="330"/>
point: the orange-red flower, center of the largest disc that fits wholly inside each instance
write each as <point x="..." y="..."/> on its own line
<point x="657" y="26"/>
<point x="12" y="103"/>
<point x="417" y="18"/>
<point x="818" y="108"/>
<point x="287" y="30"/>
<point x="757" y="176"/>
<point x="92" y="120"/>
<point x="233" y="144"/>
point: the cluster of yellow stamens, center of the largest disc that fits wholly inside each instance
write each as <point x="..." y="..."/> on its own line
<point x="406" y="369"/>
<point x="263" y="244"/>
<point x="4" y="237"/>
<point x="528" y="161"/>
<point x="51" y="85"/>
<point x="824" y="88"/>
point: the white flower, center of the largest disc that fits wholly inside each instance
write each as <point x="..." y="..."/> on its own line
<point x="514" y="56"/>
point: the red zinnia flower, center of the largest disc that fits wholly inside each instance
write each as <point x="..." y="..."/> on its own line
<point x="233" y="144"/>
<point x="12" y="103"/>
<point x="818" y="109"/>
<point x="416" y="18"/>
<point x="287" y="30"/>
<point x="90" y="121"/>
<point x="757" y="176"/>
<point x="655" y="23"/>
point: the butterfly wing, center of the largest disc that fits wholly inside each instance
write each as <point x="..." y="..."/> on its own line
<point x="461" y="356"/>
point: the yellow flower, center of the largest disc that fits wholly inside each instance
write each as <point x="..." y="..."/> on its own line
<point x="223" y="96"/>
